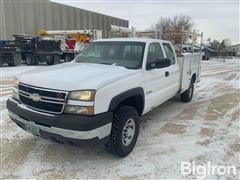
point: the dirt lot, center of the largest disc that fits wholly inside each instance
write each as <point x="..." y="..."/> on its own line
<point x="207" y="129"/>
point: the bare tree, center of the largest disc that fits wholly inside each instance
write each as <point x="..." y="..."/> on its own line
<point x="213" y="43"/>
<point x="175" y="24"/>
<point x="223" y="46"/>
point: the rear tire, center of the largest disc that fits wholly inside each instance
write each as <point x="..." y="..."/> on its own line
<point x="30" y="60"/>
<point x="57" y="59"/>
<point x="11" y="64"/>
<point x="187" y="95"/>
<point x="50" y="62"/>
<point x="54" y="60"/>
<point x="125" y="129"/>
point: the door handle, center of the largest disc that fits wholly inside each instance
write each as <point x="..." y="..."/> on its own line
<point x="166" y="74"/>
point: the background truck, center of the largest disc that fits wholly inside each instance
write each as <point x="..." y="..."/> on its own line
<point x="102" y="93"/>
<point x="10" y="53"/>
<point x="35" y="49"/>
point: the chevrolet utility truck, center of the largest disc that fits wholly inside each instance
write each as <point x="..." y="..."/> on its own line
<point x="102" y="93"/>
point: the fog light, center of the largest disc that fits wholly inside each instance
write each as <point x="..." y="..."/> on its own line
<point x="80" y="110"/>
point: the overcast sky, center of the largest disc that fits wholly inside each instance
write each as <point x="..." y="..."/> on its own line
<point x="217" y="19"/>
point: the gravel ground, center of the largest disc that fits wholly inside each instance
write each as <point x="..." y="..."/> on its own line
<point x="205" y="130"/>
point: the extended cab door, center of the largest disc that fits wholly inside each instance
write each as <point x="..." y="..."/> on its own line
<point x="160" y="83"/>
<point x="174" y="69"/>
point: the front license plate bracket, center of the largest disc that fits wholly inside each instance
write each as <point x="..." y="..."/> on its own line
<point x="32" y="129"/>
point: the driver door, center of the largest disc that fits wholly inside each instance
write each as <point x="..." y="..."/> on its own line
<point x="156" y="79"/>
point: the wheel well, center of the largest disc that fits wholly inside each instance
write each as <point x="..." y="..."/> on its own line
<point x="135" y="101"/>
<point x="194" y="77"/>
<point x="23" y="56"/>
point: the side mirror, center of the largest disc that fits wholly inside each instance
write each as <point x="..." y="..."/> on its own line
<point x="159" y="63"/>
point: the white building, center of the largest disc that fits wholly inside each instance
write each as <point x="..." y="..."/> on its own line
<point x="234" y="50"/>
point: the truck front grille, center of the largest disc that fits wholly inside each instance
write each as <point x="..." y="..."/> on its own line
<point x="44" y="100"/>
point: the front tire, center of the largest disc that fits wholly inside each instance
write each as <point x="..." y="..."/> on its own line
<point x="187" y="95"/>
<point x="125" y="129"/>
<point x="68" y="58"/>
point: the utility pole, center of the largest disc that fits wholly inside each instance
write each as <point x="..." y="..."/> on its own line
<point x="201" y="43"/>
<point x="157" y="31"/>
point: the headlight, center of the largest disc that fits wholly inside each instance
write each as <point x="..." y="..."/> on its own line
<point x="82" y="95"/>
<point x="15" y="94"/>
<point x="79" y="110"/>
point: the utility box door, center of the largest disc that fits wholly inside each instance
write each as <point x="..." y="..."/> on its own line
<point x="189" y="64"/>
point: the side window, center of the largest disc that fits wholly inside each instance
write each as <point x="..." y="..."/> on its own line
<point x="154" y="52"/>
<point x="169" y="52"/>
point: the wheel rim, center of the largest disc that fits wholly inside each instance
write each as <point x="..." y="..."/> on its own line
<point x="128" y="132"/>
<point x="28" y="60"/>
<point x="67" y="59"/>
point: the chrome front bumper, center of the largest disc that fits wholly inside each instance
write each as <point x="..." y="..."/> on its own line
<point x="65" y="126"/>
<point x="100" y="132"/>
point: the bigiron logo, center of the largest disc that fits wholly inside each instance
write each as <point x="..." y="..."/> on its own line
<point x="201" y="171"/>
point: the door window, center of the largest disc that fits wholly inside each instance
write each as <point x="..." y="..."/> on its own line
<point x="154" y="53"/>
<point x="169" y="52"/>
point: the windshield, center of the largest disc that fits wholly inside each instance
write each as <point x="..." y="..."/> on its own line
<point x="119" y="53"/>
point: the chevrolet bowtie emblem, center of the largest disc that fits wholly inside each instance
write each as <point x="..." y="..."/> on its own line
<point x="35" y="97"/>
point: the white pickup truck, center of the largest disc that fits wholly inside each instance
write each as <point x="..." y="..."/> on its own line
<point x="103" y="92"/>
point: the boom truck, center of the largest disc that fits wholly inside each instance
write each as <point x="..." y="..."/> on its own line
<point x="72" y="41"/>
<point x="103" y="92"/>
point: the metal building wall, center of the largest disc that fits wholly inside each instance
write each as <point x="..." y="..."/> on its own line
<point x="24" y="16"/>
<point x="2" y="20"/>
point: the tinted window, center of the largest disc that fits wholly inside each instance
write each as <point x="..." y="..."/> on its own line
<point x="154" y="52"/>
<point x="169" y="52"/>
<point x="127" y="54"/>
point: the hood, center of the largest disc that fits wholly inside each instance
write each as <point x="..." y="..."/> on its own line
<point x="74" y="76"/>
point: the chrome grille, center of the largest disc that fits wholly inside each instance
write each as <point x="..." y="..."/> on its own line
<point x="45" y="100"/>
